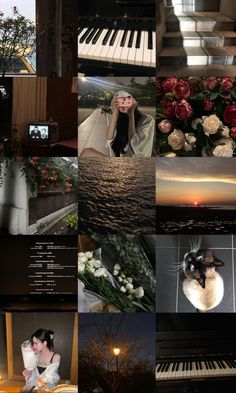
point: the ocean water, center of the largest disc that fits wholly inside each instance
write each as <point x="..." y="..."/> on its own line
<point x="117" y="195"/>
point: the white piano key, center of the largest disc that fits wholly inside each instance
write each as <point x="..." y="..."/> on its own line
<point x="98" y="47"/>
<point x="125" y="50"/>
<point x="132" y="50"/>
<point x="153" y="55"/>
<point x="105" y="49"/>
<point x="82" y="45"/>
<point x="139" y="51"/>
<point x="147" y="52"/>
<point x="111" y="54"/>
<point x="117" y="53"/>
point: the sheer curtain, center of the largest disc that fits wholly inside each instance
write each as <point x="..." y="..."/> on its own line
<point x="29" y="103"/>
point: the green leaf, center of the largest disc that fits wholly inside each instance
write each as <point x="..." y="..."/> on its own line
<point x="213" y="95"/>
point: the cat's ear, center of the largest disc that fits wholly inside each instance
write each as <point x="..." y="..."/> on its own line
<point x="218" y="262"/>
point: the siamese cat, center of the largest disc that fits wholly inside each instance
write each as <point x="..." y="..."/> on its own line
<point x="203" y="285"/>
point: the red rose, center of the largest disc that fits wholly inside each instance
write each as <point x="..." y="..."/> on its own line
<point x="183" y="110"/>
<point x="230" y="115"/>
<point x="169" y="107"/>
<point x="226" y="84"/>
<point x="233" y="132"/>
<point x="181" y="89"/>
<point x="169" y="83"/>
<point x="208" y="105"/>
<point x="210" y="83"/>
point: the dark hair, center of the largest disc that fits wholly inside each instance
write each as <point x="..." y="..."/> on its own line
<point x="122" y="126"/>
<point x="44" y="335"/>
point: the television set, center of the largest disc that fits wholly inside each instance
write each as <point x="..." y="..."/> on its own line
<point x="42" y="133"/>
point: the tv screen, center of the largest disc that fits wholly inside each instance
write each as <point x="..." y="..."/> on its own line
<point x="38" y="133"/>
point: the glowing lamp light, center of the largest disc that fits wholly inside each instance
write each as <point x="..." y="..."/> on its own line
<point x="116" y="351"/>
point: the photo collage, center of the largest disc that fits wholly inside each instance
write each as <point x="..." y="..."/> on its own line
<point x="118" y="196"/>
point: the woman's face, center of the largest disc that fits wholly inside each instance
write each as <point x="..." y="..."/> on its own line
<point x="38" y="345"/>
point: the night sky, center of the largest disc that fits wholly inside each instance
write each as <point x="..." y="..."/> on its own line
<point x="208" y="181"/>
<point x="141" y="326"/>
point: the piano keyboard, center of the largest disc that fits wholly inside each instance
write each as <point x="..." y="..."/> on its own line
<point x="195" y="369"/>
<point x="134" y="47"/>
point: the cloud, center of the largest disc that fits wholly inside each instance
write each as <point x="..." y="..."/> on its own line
<point x="196" y="170"/>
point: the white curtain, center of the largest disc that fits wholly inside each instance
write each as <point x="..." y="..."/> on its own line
<point x="29" y="103"/>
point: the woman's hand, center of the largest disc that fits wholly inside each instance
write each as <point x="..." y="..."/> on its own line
<point x="132" y="108"/>
<point x="27" y="373"/>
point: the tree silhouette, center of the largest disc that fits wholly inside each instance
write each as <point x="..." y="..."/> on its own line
<point x="97" y="363"/>
<point x="17" y="39"/>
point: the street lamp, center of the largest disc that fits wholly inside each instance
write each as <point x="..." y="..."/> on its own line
<point x="116" y="353"/>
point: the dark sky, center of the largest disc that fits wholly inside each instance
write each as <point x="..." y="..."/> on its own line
<point x="141" y="327"/>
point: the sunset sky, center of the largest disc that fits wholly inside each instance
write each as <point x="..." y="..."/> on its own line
<point x="205" y="181"/>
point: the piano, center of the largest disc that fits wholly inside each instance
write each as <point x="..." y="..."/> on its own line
<point x="117" y="37"/>
<point x="196" y="353"/>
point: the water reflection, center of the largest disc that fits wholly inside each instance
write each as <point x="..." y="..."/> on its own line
<point x="117" y="195"/>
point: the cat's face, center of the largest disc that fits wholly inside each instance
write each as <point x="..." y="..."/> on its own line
<point x="200" y="264"/>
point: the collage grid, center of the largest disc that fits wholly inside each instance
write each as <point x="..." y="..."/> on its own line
<point x="117" y="196"/>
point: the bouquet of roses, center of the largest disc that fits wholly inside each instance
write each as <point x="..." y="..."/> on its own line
<point x="196" y="116"/>
<point x="98" y="280"/>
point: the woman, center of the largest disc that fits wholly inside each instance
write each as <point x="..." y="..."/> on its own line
<point x="45" y="374"/>
<point x="129" y="133"/>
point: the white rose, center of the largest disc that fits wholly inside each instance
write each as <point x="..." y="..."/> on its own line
<point x="91" y="262"/>
<point x="190" y="137"/>
<point x="188" y="147"/>
<point x="176" y="140"/>
<point x="195" y="123"/>
<point x="91" y="269"/>
<point x="89" y="254"/>
<point x="129" y="286"/>
<point x="125" y="281"/>
<point x="122" y="289"/>
<point x="211" y="124"/>
<point x="100" y="272"/>
<point x="130" y="279"/>
<point x="224" y="148"/>
<point x="130" y="297"/>
<point x="97" y="263"/>
<point x="225" y="132"/>
<point x="122" y="275"/>
<point x="117" y="267"/>
<point x="81" y="254"/>
<point x="120" y="279"/>
<point x="139" y="292"/>
<point x="115" y="272"/>
<point x="82" y="259"/>
<point x="81" y="268"/>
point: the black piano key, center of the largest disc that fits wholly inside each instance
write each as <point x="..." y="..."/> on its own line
<point x="90" y="36"/>
<point x="222" y="364"/>
<point x="113" y="38"/>
<point x="123" y="39"/>
<point x="97" y="35"/>
<point x="177" y="366"/>
<point x="234" y="363"/>
<point x="219" y="364"/>
<point x="200" y="365"/>
<point x="166" y="367"/>
<point x="196" y="363"/>
<point x="150" y="43"/>
<point x="213" y="365"/>
<point x="173" y="366"/>
<point x="159" y="367"/>
<point x="228" y="362"/>
<point x="163" y="367"/>
<point x="131" y="38"/>
<point x="137" y="45"/>
<point x="79" y="30"/>
<point x="106" y="38"/>
<point x="210" y="365"/>
<point x="205" y="362"/>
<point x="85" y="35"/>
<point x="190" y="366"/>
